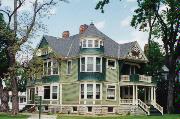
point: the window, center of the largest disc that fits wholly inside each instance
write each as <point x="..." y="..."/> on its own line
<point x="111" y="92"/>
<point x="96" y="43"/>
<point x="89" y="109"/>
<point x="21" y="99"/>
<point x="91" y="64"/>
<point x="51" y="67"/>
<point x="82" y="91"/>
<point x="46" y="92"/>
<point x="84" y="43"/>
<point x="97" y="91"/>
<point x="111" y="64"/>
<point x="46" y="108"/>
<point x="31" y="93"/>
<point x="74" y="109"/>
<point x="89" y="91"/>
<point x="54" y="92"/>
<point x="83" y="64"/>
<point x="69" y="67"/>
<point x="90" y="43"/>
<point x="110" y="109"/>
<point x="44" y="51"/>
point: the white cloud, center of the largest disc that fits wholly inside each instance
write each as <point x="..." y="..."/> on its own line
<point x="100" y="25"/>
<point x="131" y="0"/>
<point x="125" y="22"/>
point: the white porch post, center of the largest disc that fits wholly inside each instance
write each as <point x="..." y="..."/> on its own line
<point x="145" y="94"/>
<point x="133" y="94"/>
<point x="154" y="95"/>
<point x="136" y="95"/>
<point x="152" y="100"/>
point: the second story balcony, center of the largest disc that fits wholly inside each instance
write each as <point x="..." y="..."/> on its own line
<point x="136" y="78"/>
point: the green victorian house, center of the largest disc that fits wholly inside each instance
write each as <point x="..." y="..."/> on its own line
<point x="89" y="73"/>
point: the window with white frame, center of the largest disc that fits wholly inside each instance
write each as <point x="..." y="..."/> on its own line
<point x="44" y="51"/>
<point x="69" y="67"/>
<point x="51" y="92"/>
<point x="51" y="67"/>
<point x="111" y="92"/>
<point x="91" y="64"/>
<point x="90" y="91"/>
<point x="111" y="63"/>
<point x="91" y="43"/>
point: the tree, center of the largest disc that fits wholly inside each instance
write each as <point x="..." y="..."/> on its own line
<point x="165" y="27"/>
<point x="23" y="25"/>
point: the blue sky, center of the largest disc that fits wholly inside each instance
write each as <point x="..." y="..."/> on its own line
<point x="114" y="22"/>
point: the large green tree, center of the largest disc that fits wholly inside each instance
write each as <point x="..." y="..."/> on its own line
<point x="162" y="24"/>
<point x="23" y="25"/>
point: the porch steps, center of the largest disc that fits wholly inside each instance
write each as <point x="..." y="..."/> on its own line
<point x="131" y="109"/>
<point x="154" y="111"/>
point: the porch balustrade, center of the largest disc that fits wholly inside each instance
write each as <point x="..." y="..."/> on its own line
<point x="126" y="101"/>
<point x="144" y="106"/>
<point x="142" y="78"/>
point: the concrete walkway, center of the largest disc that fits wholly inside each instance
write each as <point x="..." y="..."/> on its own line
<point x="36" y="116"/>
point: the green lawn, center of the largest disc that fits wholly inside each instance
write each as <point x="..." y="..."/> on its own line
<point x="9" y="116"/>
<point x="122" y="117"/>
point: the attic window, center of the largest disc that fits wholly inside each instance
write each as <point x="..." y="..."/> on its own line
<point x="91" y="43"/>
<point x="44" y="51"/>
<point x="111" y="63"/>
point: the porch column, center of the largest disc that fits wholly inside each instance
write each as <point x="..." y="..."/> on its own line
<point x="149" y="94"/>
<point x="134" y="94"/>
<point x="154" y="94"/>
<point x="145" y="94"/>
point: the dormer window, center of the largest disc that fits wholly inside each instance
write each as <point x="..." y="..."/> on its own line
<point x="91" y="43"/>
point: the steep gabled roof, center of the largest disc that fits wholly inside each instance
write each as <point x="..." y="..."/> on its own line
<point x="69" y="47"/>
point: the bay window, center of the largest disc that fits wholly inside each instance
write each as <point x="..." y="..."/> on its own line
<point x="91" y="64"/>
<point x="50" y="67"/>
<point x="54" y="92"/>
<point x="111" y="92"/>
<point x="90" y="91"/>
<point x="91" y="43"/>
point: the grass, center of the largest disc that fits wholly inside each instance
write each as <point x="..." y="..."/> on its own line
<point x="121" y="117"/>
<point x="9" y="116"/>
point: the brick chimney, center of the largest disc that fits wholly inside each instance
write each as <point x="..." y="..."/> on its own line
<point x="65" y="34"/>
<point x="82" y="28"/>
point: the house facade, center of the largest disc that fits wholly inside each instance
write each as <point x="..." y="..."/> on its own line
<point x="89" y="73"/>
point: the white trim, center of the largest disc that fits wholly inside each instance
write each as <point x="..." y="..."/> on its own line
<point x="111" y="88"/>
<point x="109" y="66"/>
<point x="93" y="42"/>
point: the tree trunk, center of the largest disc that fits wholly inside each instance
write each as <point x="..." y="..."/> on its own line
<point x="4" y="100"/>
<point x="170" y="98"/>
<point x="1" y="90"/>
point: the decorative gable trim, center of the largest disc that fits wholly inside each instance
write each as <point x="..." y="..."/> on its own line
<point x="136" y="53"/>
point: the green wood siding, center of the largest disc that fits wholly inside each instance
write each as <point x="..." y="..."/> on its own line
<point x="63" y="71"/>
<point x="93" y="51"/>
<point x="112" y="75"/>
<point x="70" y="93"/>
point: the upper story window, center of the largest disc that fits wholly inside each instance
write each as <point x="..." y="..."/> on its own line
<point x="91" y="64"/>
<point x="111" y="63"/>
<point x="91" y="43"/>
<point x="51" y="67"/>
<point x="69" y="67"/>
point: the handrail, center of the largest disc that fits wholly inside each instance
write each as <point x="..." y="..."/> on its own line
<point x="158" y="107"/>
<point x="145" y="78"/>
<point x="144" y="106"/>
<point x="125" y="78"/>
<point x="126" y="101"/>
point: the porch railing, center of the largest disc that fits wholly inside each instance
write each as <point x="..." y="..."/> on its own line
<point x="145" y="78"/>
<point x="144" y="106"/>
<point x="136" y="77"/>
<point x="158" y="107"/>
<point x="125" y="78"/>
<point x="126" y="101"/>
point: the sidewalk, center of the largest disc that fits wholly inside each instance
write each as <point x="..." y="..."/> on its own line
<point x="36" y="116"/>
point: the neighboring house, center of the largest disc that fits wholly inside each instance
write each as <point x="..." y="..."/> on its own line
<point x="89" y="73"/>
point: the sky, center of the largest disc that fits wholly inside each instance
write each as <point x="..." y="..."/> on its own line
<point x="115" y="22"/>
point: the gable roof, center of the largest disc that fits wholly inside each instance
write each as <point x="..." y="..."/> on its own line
<point x="69" y="47"/>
